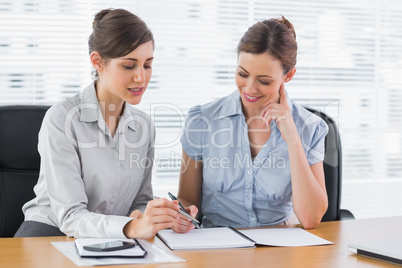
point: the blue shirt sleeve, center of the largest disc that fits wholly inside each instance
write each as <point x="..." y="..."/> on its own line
<point x="315" y="148"/>
<point x="191" y="139"/>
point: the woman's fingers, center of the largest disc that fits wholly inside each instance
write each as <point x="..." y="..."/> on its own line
<point x="171" y="214"/>
<point x="163" y="202"/>
<point x="182" y="225"/>
<point x="136" y="214"/>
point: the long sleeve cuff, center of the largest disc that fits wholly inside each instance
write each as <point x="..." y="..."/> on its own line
<point x="116" y="225"/>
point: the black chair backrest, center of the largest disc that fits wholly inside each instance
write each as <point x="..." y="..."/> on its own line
<point x="332" y="167"/>
<point x="19" y="161"/>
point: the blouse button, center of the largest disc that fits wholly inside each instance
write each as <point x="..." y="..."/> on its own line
<point x="249" y="172"/>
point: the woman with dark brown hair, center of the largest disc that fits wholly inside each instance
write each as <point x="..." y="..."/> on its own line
<point x="97" y="149"/>
<point x="255" y="158"/>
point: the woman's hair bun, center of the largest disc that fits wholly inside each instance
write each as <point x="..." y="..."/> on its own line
<point x="99" y="16"/>
<point x="288" y="24"/>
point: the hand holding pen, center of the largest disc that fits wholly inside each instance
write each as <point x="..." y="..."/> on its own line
<point x="159" y="214"/>
<point x="185" y="226"/>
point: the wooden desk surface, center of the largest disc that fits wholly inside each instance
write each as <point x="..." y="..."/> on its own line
<point x="38" y="252"/>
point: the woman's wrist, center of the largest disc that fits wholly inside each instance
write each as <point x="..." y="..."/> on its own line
<point x="294" y="141"/>
<point x="129" y="228"/>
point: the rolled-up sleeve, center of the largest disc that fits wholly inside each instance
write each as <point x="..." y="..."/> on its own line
<point x="314" y="141"/>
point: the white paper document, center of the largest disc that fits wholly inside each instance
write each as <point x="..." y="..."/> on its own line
<point x="206" y="238"/>
<point x="154" y="255"/>
<point x="284" y="237"/>
<point x="227" y="237"/>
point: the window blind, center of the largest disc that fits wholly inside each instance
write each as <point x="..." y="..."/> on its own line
<point x="348" y="66"/>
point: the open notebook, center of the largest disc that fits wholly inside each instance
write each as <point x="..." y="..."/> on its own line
<point x="386" y="250"/>
<point x="227" y="237"/>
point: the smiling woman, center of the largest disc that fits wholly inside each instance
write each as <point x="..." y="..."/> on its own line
<point x="265" y="124"/>
<point x="258" y="77"/>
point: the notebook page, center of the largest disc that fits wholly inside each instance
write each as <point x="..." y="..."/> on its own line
<point x="208" y="238"/>
<point x="284" y="237"/>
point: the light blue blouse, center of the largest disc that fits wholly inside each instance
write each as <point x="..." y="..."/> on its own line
<point x="236" y="190"/>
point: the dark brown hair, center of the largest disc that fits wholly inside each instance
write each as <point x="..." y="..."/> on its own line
<point x="117" y="32"/>
<point x="277" y="37"/>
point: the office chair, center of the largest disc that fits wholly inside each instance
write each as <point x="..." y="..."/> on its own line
<point x="19" y="162"/>
<point x="333" y="171"/>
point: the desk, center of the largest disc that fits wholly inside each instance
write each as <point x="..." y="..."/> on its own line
<point x="38" y="252"/>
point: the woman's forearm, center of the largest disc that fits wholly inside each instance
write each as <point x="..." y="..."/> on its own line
<point x="309" y="195"/>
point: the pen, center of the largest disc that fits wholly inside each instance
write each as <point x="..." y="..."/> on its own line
<point x="188" y="216"/>
<point x="184" y="212"/>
